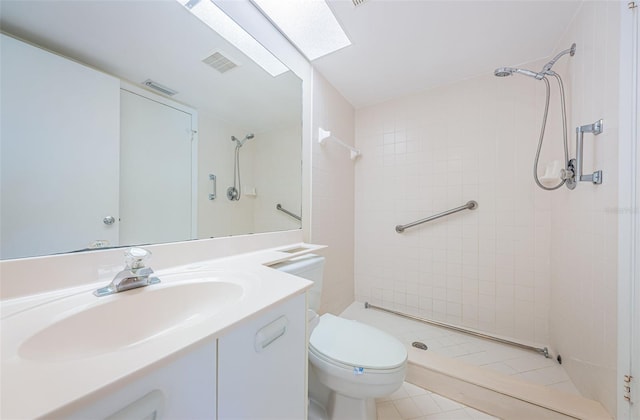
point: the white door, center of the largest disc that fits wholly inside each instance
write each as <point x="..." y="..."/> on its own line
<point x="59" y="153"/>
<point x="156" y="190"/>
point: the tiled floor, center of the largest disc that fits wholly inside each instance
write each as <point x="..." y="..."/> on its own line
<point x="412" y="402"/>
<point x="509" y="360"/>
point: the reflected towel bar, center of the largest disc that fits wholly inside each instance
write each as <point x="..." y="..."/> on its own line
<point x="471" y="205"/>
<point x="543" y="351"/>
<point x="295" y="216"/>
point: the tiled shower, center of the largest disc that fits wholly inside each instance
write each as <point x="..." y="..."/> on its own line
<point x="535" y="266"/>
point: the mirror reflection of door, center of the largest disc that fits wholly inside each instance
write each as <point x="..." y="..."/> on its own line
<point x="59" y="153"/>
<point x="156" y="170"/>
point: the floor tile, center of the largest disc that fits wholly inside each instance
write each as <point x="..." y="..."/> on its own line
<point x="388" y="411"/>
<point x="525" y="364"/>
<point x="566" y="386"/>
<point x="411" y="400"/>
<point x="423" y="405"/>
<point x="478" y="415"/>
<point x="426" y="404"/>
<point x="407" y="408"/>
<point x="445" y="403"/>
<point x="450" y="415"/>
<point x="413" y="390"/>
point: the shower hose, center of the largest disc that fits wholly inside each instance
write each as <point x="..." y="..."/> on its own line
<point x="542" y="129"/>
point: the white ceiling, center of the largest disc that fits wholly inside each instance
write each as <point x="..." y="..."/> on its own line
<point x="160" y="40"/>
<point x="399" y="47"/>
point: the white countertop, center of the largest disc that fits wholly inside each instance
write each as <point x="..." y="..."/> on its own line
<point x="34" y="387"/>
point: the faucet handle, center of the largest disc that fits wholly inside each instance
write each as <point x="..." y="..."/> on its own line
<point x="136" y="257"/>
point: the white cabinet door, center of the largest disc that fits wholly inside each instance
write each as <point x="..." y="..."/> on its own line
<point x="59" y="141"/>
<point x="262" y="365"/>
<point x="184" y="389"/>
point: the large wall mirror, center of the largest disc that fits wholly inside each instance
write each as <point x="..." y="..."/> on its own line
<point x="91" y="157"/>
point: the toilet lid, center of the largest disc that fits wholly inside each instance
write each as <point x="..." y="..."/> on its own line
<point x="355" y="344"/>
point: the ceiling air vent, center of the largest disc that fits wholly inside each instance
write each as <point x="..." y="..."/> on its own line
<point x="358" y="2"/>
<point x="219" y="62"/>
<point x="159" y="88"/>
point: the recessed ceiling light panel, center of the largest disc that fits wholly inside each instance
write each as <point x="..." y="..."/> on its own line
<point x="309" y="24"/>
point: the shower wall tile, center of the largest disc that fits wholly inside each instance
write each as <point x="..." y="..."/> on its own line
<point x="529" y="264"/>
<point x="583" y="284"/>
<point x="429" y="152"/>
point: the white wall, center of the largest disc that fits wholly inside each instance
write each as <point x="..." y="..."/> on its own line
<point x="277" y="178"/>
<point x="474" y="140"/>
<point x="584" y="233"/>
<point x="332" y="185"/>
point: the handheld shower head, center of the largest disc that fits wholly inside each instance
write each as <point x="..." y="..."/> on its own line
<point x="503" y="71"/>
<point x="546" y="70"/>
<point x="508" y="71"/>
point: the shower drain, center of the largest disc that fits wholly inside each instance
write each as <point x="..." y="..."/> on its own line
<point x="419" y="345"/>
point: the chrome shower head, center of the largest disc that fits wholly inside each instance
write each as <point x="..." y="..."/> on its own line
<point x="508" y="71"/>
<point x="571" y="51"/>
<point x="503" y="71"/>
<point x="546" y="70"/>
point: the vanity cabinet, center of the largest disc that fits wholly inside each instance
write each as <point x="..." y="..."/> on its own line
<point x="255" y="371"/>
<point x="184" y="388"/>
<point x="262" y="363"/>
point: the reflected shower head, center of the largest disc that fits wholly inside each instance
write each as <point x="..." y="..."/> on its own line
<point x="239" y="143"/>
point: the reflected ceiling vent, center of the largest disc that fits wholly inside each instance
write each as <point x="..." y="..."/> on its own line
<point x="220" y="62"/>
<point x="159" y="88"/>
<point x="358" y="2"/>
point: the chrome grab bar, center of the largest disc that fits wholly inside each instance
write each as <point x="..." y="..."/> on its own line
<point x="471" y="205"/>
<point x="214" y="194"/>
<point x="595" y="128"/>
<point x="295" y="216"/>
<point x="543" y="351"/>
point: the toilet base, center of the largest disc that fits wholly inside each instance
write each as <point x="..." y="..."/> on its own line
<point x="316" y="411"/>
<point x="341" y="407"/>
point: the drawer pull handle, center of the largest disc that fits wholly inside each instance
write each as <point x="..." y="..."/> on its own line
<point x="270" y="333"/>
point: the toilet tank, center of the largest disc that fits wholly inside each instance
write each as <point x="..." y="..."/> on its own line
<point x="310" y="267"/>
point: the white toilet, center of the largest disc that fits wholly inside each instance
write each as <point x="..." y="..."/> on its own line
<point x="354" y="363"/>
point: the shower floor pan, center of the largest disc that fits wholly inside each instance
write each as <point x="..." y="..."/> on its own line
<point x="506" y="382"/>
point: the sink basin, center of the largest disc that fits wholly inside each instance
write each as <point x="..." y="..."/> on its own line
<point x="128" y="318"/>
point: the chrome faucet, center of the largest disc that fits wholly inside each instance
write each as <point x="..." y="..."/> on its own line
<point x="134" y="275"/>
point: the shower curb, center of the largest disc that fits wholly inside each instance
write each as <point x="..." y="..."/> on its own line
<point x="494" y="393"/>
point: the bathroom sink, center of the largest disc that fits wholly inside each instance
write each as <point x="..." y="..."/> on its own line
<point x="129" y="318"/>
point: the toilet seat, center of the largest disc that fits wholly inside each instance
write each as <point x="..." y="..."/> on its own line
<point x="355" y="346"/>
